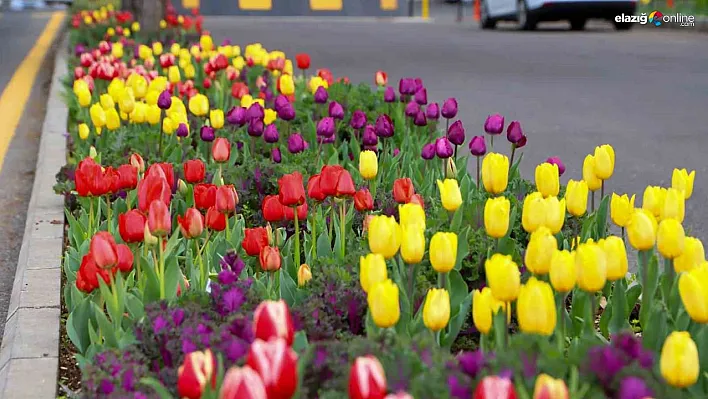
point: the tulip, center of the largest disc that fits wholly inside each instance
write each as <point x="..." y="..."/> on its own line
<point x="384" y="236"/>
<point x="683" y="181"/>
<point x="557" y="161"/>
<point x="336" y="111"/>
<point x="226" y="199"/>
<point x="562" y="271"/>
<point x="254" y="240"/>
<point x="494" y="124"/>
<point x="204" y="196"/>
<point x="372" y="270"/>
<point x="291" y="190"/>
<point x="304" y="275"/>
<point x="367" y="379"/>
<point x="693" y="289"/>
<point x="256" y="127"/>
<point x="496" y="216"/>
<point x="182" y="130"/>
<point x="276" y="363"/>
<point x="514" y="133"/>
<point x="542" y="245"/>
<point x="449" y="108"/>
<point x="272" y="319"/>
<point x="674" y="205"/>
<point x="383" y="303"/>
<point x="503" y="277"/>
<point x="484" y="307"/>
<point x="380" y="78"/>
<point x="456" y="133"/>
<point x="164" y="101"/>
<point x="216" y="118"/>
<point x="642" y="230"/>
<point x="621" y="208"/>
<point x="547" y="182"/>
<point x="272" y="209"/>
<point x="591" y="266"/>
<point x="296" y="143"/>
<point x="555" y="214"/>
<point x="495" y="173"/>
<point x="98" y="116"/>
<point x="436" y="310"/>
<point x="206" y="133"/>
<point x="336" y="181"/>
<point x="535" y="308"/>
<point x="199" y="105"/>
<point x="412" y="244"/>
<point x="653" y="200"/>
<point x="194" y="171"/>
<point x="320" y="93"/>
<point x="576" y="197"/>
<point x="495" y="387"/>
<point x="363" y="200"/>
<point x="428" y="151"/>
<point x="547" y="387"/>
<point x="406" y="86"/>
<point x="270" y="259"/>
<point x="534" y="212"/>
<point x="192" y="376"/>
<point x="412" y="216"/>
<point x="670" y="238"/>
<point x="421" y="96"/>
<point x="615" y="256"/>
<point x="131" y="226"/>
<point x="104" y="250"/>
<point x="221" y="150"/>
<point x="679" y="360"/>
<point x="432" y="111"/>
<point x="368" y="165"/>
<point x="594" y="183"/>
<point x="443" y="251"/>
<point x="384" y="126"/>
<point x="692" y="256"/>
<point x="389" y="95"/>
<point x="443" y="148"/>
<point x="191" y="224"/>
<point x="450" y="194"/>
<point x="159" y="220"/>
<point x="242" y="383"/>
<point x="604" y="161"/>
<point x="403" y="190"/>
<point x="477" y="146"/>
<point x="303" y="61"/>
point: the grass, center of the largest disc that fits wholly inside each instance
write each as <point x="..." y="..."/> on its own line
<point x="689" y="7"/>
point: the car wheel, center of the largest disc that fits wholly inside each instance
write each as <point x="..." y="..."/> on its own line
<point x="485" y="21"/>
<point x="577" y="24"/>
<point x="525" y="18"/>
<point x="622" y="25"/>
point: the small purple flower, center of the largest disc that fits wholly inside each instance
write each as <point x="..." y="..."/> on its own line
<point x="287" y="112"/>
<point x="389" y="95"/>
<point x="188" y="346"/>
<point x="296" y="144"/>
<point x="280" y="102"/>
<point x="557" y="161"/>
<point x="358" y="119"/>
<point x="106" y="387"/>
<point x="270" y="135"/>
<point x="457" y="389"/>
<point x="159" y="324"/>
<point x="164" y="101"/>
<point x="514" y="132"/>
<point x="231" y="262"/>
<point x="182" y="130"/>
<point x="406" y="86"/>
<point x="178" y="316"/>
<point x="428" y="151"/>
<point x="494" y="124"/>
<point x="456" y="133"/>
<point x="419" y="119"/>
<point x="237" y="116"/>
<point x="412" y="109"/>
<point x="477" y="146"/>
<point x="634" y="388"/>
<point x="396" y="151"/>
<point x="255" y="127"/>
<point x="369" y="137"/>
<point x="79" y="49"/>
<point x="275" y="153"/>
<point x="472" y="363"/>
<point x="336" y="111"/>
<point x="226" y="42"/>
<point x="207" y="133"/>
<point x="432" y="111"/>
<point x="321" y="95"/>
<point x="384" y="126"/>
<point x="255" y="111"/>
<point x="421" y="96"/>
<point x="325" y="127"/>
<point x="449" y="108"/>
<point x="443" y="148"/>
<point x="605" y="363"/>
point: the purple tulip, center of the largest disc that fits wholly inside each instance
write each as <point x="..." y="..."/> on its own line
<point x="255" y="111"/>
<point x="369" y="137"/>
<point x="325" y="127"/>
<point x="268" y="94"/>
<point x="418" y="83"/>
<point x="428" y="151"/>
<point x="396" y="151"/>
<point x="287" y="112"/>
<point x="494" y="124"/>
<point x="389" y="95"/>
<point x="358" y="119"/>
<point x="406" y="86"/>
<point x="514" y="132"/>
<point x="521" y="142"/>
<point x="449" y="108"/>
<point x="79" y="49"/>
<point x="457" y="389"/>
<point x="634" y="388"/>
<point x="419" y="119"/>
<point x="275" y="153"/>
<point x="270" y="135"/>
<point x="412" y="109"/>
<point x="164" y="101"/>
<point x="182" y="130"/>
<point x="226" y="42"/>
<point x="456" y="133"/>
<point x="280" y="102"/>
<point x="605" y="362"/>
<point x="472" y="363"/>
<point x="296" y="143"/>
<point x="321" y="95"/>
<point x="237" y="116"/>
<point x="255" y="127"/>
<point x="557" y="161"/>
<point x="421" y="96"/>
<point x="477" y="146"/>
<point x="336" y="111"/>
<point x="432" y="111"/>
<point x="371" y="148"/>
<point x="443" y="148"/>
<point x="207" y="133"/>
<point x="384" y="126"/>
<point x="325" y="140"/>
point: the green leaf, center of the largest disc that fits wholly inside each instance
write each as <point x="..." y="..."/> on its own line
<point x="649" y="272"/>
<point x="457" y="219"/>
<point x="288" y="288"/>
<point x="300" y="343"/>
<point x="456" y="321"/>
<point x="601" y="218"/>
<point x="578" y="309"/>
<point x="463" y="247"/>
<point x="458" y="288"/>
<point x="632" y="294"/>
<point x="160" y="390"/>
<point x="619" y="306"/>
<point x="107" y="330"/>
<point x="135" y="307"/>
<point x="605" y="320"/>
<point x="654" y="333"/>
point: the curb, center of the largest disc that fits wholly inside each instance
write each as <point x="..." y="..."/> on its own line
<point x="29" y="356"/>
<point x="701" y="25"/>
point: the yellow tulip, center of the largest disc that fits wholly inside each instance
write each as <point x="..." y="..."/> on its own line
<point x="674" y="205"/>
<point x="235" y="51"/>
<point x="163" y="24"/>
<point x="679" y="360"/>
<point x="615" y="257"/>
<point x="112" y="119"/>
<point x="503" y="276"/>
<point x="621" y="208"/>
<point x="157" y="48"/>
<point x="555" y="214"/>
<point x="683" y="181"/>
<point x="576" y="197"/>
<point x="450" y="194"/>
<point x="168" y="125"/>
<point x="216" y="118"/>
<point x="173" y="74"/>
<point x="238" y="63"/>
<point x="127" y="101"/>
<point x="384" y="236"/>
<point x="225" y="50"/>
<point x="206" y="43"/>
<point x="84" y="98"/>
<point x="484" y="307"/>
<point x="189" y="71"/>
<point x="140" y="86"/>
<point x="106" y="102"/>
<point x="153" y="114"/>
<point x="653" y="200"/>
<point x="199" y="105"/>
<point x="117" y="50"/>
<point x="246" y="101"/>
<point x="443" y="251"/>
<point x="412" y="244"/>
<point x="496" y="216"/>
<point x="641" y="230"/>
<point x="123" y="116"/>
<point x="194" y="50"/>
<point x="368" y="164"/>
<point x="533" y="214"/>
<point x="139" y="113"/>
<point x="177" y="106"/>
<point x="287" y="85"/>
<point x="144" y="52"/>
<point x="372" y="269"/>
<point x="316" y="82"/>
<point x="670" y="238"/>
<point x="542" y="245"/>
<point x="135" y="26"/>
<point x="548" y="387"/>
<point x="83" y="131"/>
<point x="495" y="173"/>
<point x="110" y="32"/>
<point x="593" y="182"/>
<point x="288" y="68"/>
<point x="536" y="308"/>
<point x="98" y="115"/>
<point x="692" y="256"/>
<point x="269" y="116"/>
<point x="563" y="272"/>
<point x="412" y="215"/>
<point x="383" y="304"/>
<point x="591" y="267"/>
<point x="80" y="85"/>
<point x="693" y="289"/>
<point x="159" y="84"/>
<point x="127" y="32"/>
<point x="604" y="161"/>
<point x="547" y="179"/>
<point x="436" y="310"/>
<point x="304" y="274"/>
<point x="151" y="97"/>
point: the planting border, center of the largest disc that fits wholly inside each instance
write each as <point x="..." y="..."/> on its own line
<point x="29" y="356"/>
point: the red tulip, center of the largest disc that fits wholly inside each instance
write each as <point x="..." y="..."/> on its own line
<point x="90" y="179"/>
<point x="125" y="258"/>
<point x="494" y="387"/>
<point x="226" y="199"/>
<point x="363" y="201"/>
<point x="403" y="190"/>
<point x="303" y="61"/>
<point x="194" y="171"/>
<point x="326" y="74"/>
<point x="166" y="169"/>
<point x="221" y="150"/>
<point x="137" y="162"/>
<point x="381" y="78"/>
<point x="254" y="240"/>
<point x="314" y="190"/>
<point x="291" y="193"/>
<point x="215" y="220"/>
<point x="367" y="379"/>
<point x="192" y="376"/>
<point x="345" y="185"/>
<point x="242" y="383"/>
<point x="153" y="188"/>
<point x="272" y="209"/>
<point x="239" y="89"/>
<point x="87" y="276"/>
<point x="270" y="259"/>
<point x="276" y="363"/>
<point x="104" y="249"/>
<point x="159" y="220"/>
<point x="127" y="178"/>
<point x="417" y="199"/>
<point x="192" y="224"/>
<point x="336" y="181"/>
<point x="131" y="226"/>
<point x="301" y="212"/>
<point x="204" y="196"/>
<point x="272" y="319"/>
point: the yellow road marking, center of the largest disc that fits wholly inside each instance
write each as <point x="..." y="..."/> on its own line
<point x="17" y="92"/>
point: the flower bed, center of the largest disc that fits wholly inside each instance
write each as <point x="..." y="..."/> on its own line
<point x="240" y="229"/>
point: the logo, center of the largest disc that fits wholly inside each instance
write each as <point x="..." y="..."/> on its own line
<point x="656" y="17"/>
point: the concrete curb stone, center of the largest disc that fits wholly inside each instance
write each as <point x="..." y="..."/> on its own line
<point x="29" y="355"/>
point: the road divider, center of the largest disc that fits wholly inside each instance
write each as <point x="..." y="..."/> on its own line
<point x="352" y="8"/>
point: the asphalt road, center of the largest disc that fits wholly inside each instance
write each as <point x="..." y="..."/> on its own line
<point x="644" y="91"/>
<point x="18" y="33"/>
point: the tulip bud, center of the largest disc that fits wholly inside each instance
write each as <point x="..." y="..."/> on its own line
<point x="270" y="259"/>
<point x="104" y="249"/>
<point x="550" y="388"/>
<point x="693" y="289"/>
<point x="683" y="181"/>
<point x="450" y="194"/>
<point x="674" y="205"/>
<point x="242" y="383"/>
<point x="304" y="274"/>
<point x="542" y="245"/>
<point x="514" y="133"/>
<point x="367" y="379"/>
<point x="594" y="183"/>
<point x="604" y="161"/>
<point x="616" y="257"/>
<point x="272" y="319"/>
<point x="384" y="236"/>
<point x="389" y="95"/>
<point x="191" y="224"/>
<point x="221" y="150"/>
<point x="368" y="164"/>
<point x="271" y="237"/>
<point x="495" y="173"/>
<point x="449" y="108"/>
<point x="159" y="219"/>
<point x="197" y="370"/>
<point x="383" y="304"/>
<point x="484" y="307"/>
<point x="428" y="151"/>
<point x="547" y="179"/>
<point x="478" y="146"/>
<point x="641" y="230"/>
<point x="443" y="148"/>
<point x="503" y="276"/>
<point x="591" y="266"/>
<point x="182" y="187"/>
<point x="536" y="308"/>
<point x="412" y="244"/>
<point x="450" y="169"/>
<point x="443" y="251"/>
<point x="92" y="152"/>
<point x="456" y="133"/>
<point x="494" y="124"/>
<point x="372" y="270"/>
<point x="436" y="310"/>
<point x="679" y="360"/>
<point x="692" y="256"/>
<point x="670" y="238"/>
<point x="496" y="216"/>
<point x="562" y="272"/>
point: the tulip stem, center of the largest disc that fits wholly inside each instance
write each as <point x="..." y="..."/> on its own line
<point x="560" y="303"/>
<point x="159" y="146"/>
<point x="491" y="140"/>
<point x="138" y="273"/>
<point x="331" y="224"/>
<point x="513" y="151"/>
<point x="602" y="190"/>
<point x="313" y="230"/>
<point x="592" y="201"/>
<point x="90" y="220"/>
<point x="478" y="173"/>
<point x="228" y="230"/>
<point x="297" y="238"/>
<point x="668" y="279"/>
<point x="624" y="240"/>
<point x="591" y="314"/>
<point x="109" y="214"/>
<point x="342" y="227"/>
<point x="161" y="271"/>
<point x="441" y="280"/>
<point x="202" y="269"/>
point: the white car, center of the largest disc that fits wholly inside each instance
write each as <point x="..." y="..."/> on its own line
<point x="528" y="13"/>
